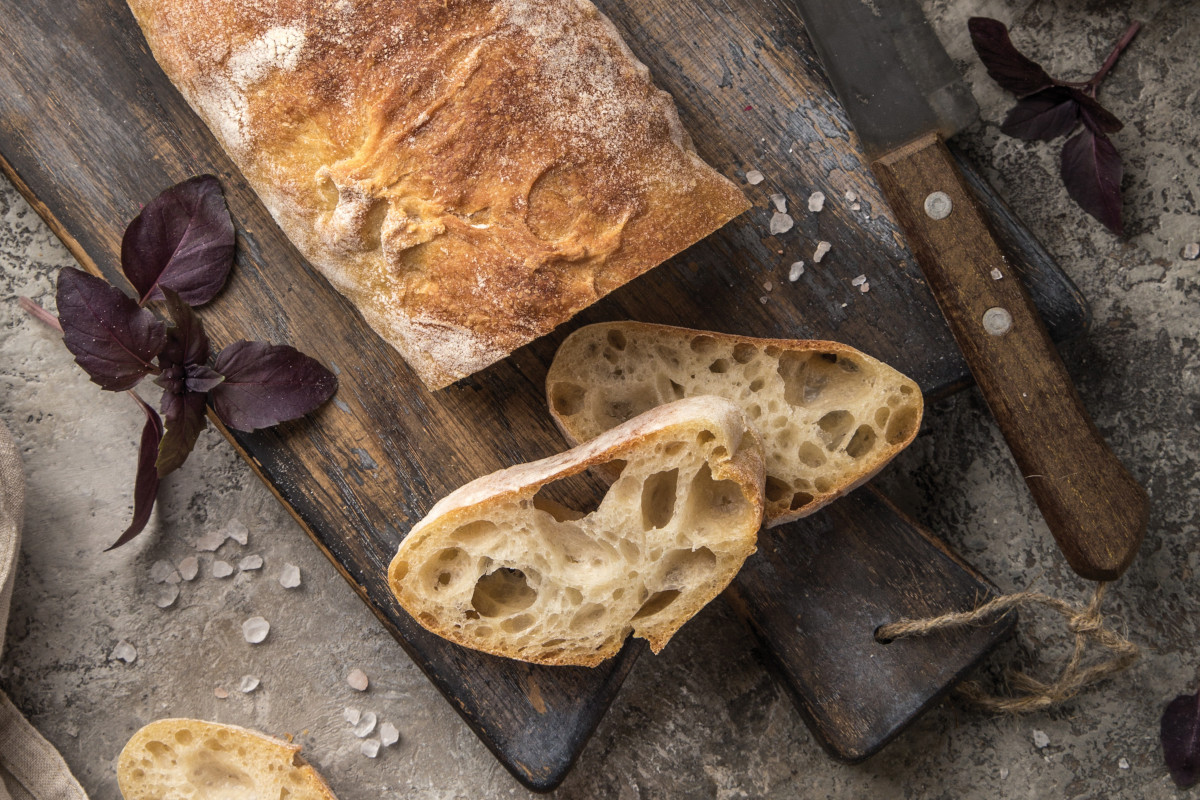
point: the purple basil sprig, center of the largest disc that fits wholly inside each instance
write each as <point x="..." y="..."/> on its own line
<point x="179" y="250"/>
<point x="1181" y="739"/>
<point x="1049" y="108"/>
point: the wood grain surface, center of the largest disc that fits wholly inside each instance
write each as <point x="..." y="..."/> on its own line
<point x="1093" y="506"/>
<point x="90" y="128"/>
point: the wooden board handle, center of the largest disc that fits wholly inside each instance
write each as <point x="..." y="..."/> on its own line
<point x="1094" y="508"/>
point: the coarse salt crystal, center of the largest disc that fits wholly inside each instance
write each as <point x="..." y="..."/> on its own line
<point x="859" y="281"/>
<point x="796" y="270"/>
<point x="1191" y="251"/>
<point x="220" y="693"/>
<point x="388" y="735"/>
<point x="124" y="651"/>
<point x="365" y="725"/>
<point x="822" y="249"/>
<point x="250" y="562"/>
<point x="370" y="748"/>
<point x="210" y="541"/>
<point x="816" y="201"/>
<point x="763" y="299"/>
<point x="249" y="684"/>
<point x="780" y="203"/>
<point x="289" y="576"/>
<point x="768" y="286"/>
<point x="1123" y="763"/>
<point x="189" y="568"/>
<point x="1040" y="740"/>
<point x="850" y="196"/>
<point x="352" y="715"/>
<point x="235" y="529"/>
<point x="866" y="287"/>
<point x="996" y="274"/>
<point x="781" y="223"/>
<point x="255" y="629"/>
<point x="221" y="569"/>
<point x="754" y="177"/>
<point x="164" y="572"/>
<point x="166" y="595"/>
<point x="1003" y="773"/>
<point x="855" y="207"/>
<point x="357" y="680"/>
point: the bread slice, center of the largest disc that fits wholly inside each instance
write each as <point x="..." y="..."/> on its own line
<point x="513" y="564"/>
<point x="189" y="759"/>
<point x="830" y="416"/>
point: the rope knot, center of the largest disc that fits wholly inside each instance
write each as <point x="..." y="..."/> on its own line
<point x="1087" y="622"/>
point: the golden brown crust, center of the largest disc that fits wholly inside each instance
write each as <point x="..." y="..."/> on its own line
<point x="470" y="173"/>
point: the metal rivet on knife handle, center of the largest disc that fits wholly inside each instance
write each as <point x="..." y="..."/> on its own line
<point x="938" y="205"/>
<point x="997" y="321"/>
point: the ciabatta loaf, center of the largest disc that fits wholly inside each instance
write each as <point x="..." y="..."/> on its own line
<point x="189" y="759"/>
<point x="505" y="566"/>
<point x="830" y="416"/>
<point x="469" y="173"/>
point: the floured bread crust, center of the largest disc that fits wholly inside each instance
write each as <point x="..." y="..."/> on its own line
<point x="470" y="173"/>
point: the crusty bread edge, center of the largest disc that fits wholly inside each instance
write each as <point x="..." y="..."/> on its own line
<point x="819" y="501"/>
<point x="744" y="465"/>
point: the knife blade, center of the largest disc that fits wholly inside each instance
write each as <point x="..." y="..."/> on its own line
<point x="904" y="96"/>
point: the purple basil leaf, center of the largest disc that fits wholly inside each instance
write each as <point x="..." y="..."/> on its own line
<point x="1045" y="115"/>
<point x="184" y="415"/>
<point x="186" y="342"/>
<point x="182" y="240"/>
<point x="1096" y="116"/>
<point x="1180" y="732"/>
<point x="145" y="488"/>
<point x="199" y="378"/>
<point x="1091" y="170"/>
<point x="266" y="384"/>
<point x="1004" y="62"/>
<point x="111" y="338"/>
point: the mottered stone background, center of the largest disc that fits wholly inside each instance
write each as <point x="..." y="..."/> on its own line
<point x="704" y="719"/>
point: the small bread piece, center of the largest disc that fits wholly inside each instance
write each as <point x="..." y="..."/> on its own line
<point x="468" y="173"/>
<point x="503" y="566"/>
<point x="190" y="759"/>
<point x="830" y="416"/>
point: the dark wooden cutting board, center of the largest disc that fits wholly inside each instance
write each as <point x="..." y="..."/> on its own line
<point x="90" y="128"/>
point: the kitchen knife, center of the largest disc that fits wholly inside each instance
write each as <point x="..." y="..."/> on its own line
<point x="904" y="96"/>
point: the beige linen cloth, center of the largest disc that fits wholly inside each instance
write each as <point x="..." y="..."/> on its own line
<point x="30" y="768"/>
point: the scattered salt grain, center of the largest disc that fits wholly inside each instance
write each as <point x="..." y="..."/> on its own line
<point x="124" y="651"/>
<point x="289" y="576"/>
<point x="781" y="223"/>
<point x="822" y="249"/>
<point x="370" y="748"/>
<point x="859" y="281"/>
<point x="850" y="196"/>
<point x="235" y="529"/>
<point x="388" y="735"/>
<point x="768" y="286"/>
<point x="866" y="287"/>
<point x="210" y="541"/>
<point x="249" y="684"/>
<point x="1003" y="773"/>
<point x="189" y="568"/>
<point x="164" y="572"/>
<point x="221" y="569"/>
<point x="255" y="629"/>
<point x="365" y="725"/>
<point x="357" y="680"/>
<point x="997" y="274"/>
<point x="166" y="595"/>
<point x="1191" y="251"/>
<point x="797" y="269"/>
<point x="1123" y="763"/>
<point x="856" y="207"/>
<point x="763" y="299"/>
<point x="352" y="715"/>
<point x="780" y="203"/>
<point x="816" y="201"/>
<point x="220" y="693"/>
<point x="1040" y="740"/>
<point x="754" y="177"/>
<point x="250" y="562"/>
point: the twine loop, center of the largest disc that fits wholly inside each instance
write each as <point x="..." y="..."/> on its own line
<point x="1087" y="624"/>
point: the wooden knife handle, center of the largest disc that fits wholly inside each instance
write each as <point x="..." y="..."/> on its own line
<point x="1094" y="508"/>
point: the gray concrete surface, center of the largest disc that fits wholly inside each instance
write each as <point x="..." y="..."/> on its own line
<point x="703" y="720"/>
